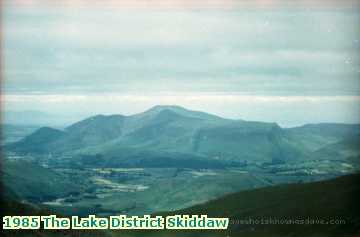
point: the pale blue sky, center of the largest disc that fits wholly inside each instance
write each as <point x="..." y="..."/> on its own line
<point x="289" y="65"/>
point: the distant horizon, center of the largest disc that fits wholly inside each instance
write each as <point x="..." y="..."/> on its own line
<point x="69" y="120"/>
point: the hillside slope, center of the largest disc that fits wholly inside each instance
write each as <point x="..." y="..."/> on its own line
<point x="26" y="180"/>
<point x="332" y="200"/>
<point x="313" y="137"/>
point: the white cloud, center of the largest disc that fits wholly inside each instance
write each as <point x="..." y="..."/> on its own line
<point x="280" y="64"/>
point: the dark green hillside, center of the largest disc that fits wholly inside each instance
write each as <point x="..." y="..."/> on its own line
<point x="166" y="127"/>
<point x="38" y="142"/>
<point x="90" y="132"/>
<point x="27" y="180"/>
<point x="251" y="141"/>
<point x="330" y="129"/>
<point x="347" y="149"/>
<point x="97" y="129"/>
<point x="326" y="200"/>
<point x="165" y="131"/>
<point x="312" y="137"/>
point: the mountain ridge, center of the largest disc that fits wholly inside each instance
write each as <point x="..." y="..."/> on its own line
<point x="176" y="131"/>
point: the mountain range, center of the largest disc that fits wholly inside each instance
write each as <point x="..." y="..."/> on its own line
<point x="167" y="136"/>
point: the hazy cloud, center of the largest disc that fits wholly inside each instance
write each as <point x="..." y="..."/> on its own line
<point x="250" y="56"/>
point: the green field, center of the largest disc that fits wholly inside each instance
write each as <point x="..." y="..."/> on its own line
<point x="111" y="191"/>
<point x="331" y="200"/>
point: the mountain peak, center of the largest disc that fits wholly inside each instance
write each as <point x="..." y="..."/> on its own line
<point x="181" y="111"/>
<point x="167" y="107"/>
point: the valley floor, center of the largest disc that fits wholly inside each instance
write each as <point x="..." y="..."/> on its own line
<point x="331" y="207"/>
<point x="138" y="191"/>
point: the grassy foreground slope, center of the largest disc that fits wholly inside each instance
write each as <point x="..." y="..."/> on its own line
<point x="336" y="199"/>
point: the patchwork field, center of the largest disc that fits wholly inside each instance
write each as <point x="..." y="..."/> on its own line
<point x="111" y="191"/>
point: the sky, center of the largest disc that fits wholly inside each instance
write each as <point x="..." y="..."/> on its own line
<point x="273" y="61"/>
